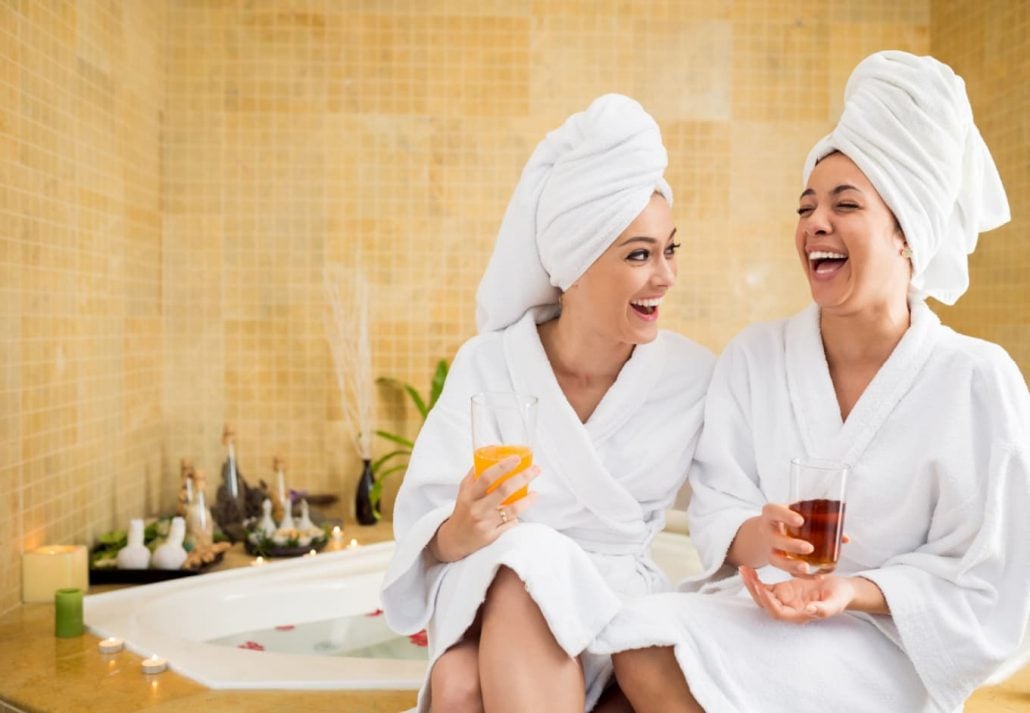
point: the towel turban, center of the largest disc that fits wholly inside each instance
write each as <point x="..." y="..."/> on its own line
<point x="908" y="126"/>
<point x="583" y="185"/>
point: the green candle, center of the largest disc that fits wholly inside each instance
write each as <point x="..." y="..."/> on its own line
<point x="68" y="613"/>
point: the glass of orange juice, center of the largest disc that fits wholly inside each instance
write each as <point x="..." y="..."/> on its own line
<point x="503" y="424"/>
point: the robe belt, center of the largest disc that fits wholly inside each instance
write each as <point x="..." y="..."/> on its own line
<point x="603" y="543"/>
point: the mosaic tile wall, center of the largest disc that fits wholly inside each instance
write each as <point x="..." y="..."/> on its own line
<point x="177" y="175"/>
<point x="988" y="44"/>
<point x="80" y="272"/>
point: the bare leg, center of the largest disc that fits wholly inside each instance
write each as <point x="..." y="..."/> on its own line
<point x="521" y="666"/>
<point x="454" y="682"/>
<point x="653" y="681"/>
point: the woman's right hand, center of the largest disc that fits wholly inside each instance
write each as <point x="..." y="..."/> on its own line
<point x="763" y="540"/>
<point x="477" y="519"/>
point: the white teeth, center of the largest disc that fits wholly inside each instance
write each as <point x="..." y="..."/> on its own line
<point x="647" y="303"/>
<point x="823" y="255"/>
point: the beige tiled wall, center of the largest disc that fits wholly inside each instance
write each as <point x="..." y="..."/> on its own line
<point x="988" y="43"/>
<point x="80" y="272"/>
<point x="177" y="175"/>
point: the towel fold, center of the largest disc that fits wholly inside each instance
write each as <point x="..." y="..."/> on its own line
<point x="907" y="124"/>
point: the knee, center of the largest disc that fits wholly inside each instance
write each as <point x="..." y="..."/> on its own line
<point x="454" y="683"/>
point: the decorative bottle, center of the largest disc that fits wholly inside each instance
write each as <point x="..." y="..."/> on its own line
<point x="363" y="499"/>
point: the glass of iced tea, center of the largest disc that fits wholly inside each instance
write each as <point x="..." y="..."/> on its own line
<point x="817" y="493"/>
<point x="503" y="424"/>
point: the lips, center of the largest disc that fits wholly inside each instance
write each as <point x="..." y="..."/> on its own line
<point x="826" y="263"/>
<point x="646" y="309"/>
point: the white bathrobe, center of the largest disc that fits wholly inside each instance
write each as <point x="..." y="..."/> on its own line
<point x="937" y="514"/>
<point x="603" y="489"/>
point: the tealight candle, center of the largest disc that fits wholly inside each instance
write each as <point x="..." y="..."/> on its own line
<point x="312" y="553"/>
<point x="353" y="543"/>
<point x="111" y="645"/>
<point x="258" y="561"/>
<point x="154" y="664"/>
<point x="337" y="534"/>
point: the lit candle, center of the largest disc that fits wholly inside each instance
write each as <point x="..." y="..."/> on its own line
<point x="337" y="533"/>
<point x="111" y="645"/>
<point x="44" y="570"/>
<point x="312" y="553"/>
<point x="154" y="664"/>
<point x="353" y="543"/>
<point x="258" y="561"/>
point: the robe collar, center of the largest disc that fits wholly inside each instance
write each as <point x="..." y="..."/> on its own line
<point x="814" y="402"/>
<point x="571" y="444"/>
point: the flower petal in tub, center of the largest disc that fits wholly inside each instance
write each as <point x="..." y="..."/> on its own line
<point x="419" y="639"/>
<point x="251" y="646"/>
<point x="285" y="627"/>
<point x="376" y="612"/>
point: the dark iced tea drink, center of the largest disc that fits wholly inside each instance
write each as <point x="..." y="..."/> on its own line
<point x="824" y="525"/>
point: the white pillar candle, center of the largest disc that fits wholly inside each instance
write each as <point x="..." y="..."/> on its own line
<point x="46" y="569"/>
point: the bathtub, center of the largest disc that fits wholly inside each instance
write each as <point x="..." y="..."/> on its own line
<point x="294" y="624"/>
<point x="308" y="614"/>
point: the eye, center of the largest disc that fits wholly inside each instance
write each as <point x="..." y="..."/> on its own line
<point x="671" y="249"/>
<point x="639" y="255"/>
<point x="805" y="210"/>
<point x="847" y="206"/>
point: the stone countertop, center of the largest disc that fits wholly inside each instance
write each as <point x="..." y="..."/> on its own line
<point x="39" y="672"/>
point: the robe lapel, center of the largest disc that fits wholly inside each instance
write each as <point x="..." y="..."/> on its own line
<point x="814" y="401"/>
<point x="568" y="442"/>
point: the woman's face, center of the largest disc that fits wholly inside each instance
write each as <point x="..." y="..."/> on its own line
<point x="619" y="295"/>
<point x="848" y="240"/>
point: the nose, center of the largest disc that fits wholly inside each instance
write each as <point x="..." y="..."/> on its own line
<point x="665" y="274"/>
<point x="817" y="222"/>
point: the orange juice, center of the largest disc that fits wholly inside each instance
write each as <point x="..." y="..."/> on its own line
<point x="487" y="456"/>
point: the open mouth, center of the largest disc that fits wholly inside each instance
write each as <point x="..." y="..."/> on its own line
<point x="646" y="308"/>
<point x="825" y="263"/>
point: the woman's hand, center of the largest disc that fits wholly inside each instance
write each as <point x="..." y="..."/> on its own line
<point x="763" y="540"/>
<point x="478" y="517"/>
<point x="801" y="600"/>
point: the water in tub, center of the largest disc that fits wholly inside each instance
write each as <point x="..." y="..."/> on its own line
<point x="361" y="636"/>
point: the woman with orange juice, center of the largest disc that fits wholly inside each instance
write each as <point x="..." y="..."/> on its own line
<point x="930" y="428"/>
<point x="571" y="371"/>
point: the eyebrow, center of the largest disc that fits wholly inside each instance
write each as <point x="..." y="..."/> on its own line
<point x="839" y="189"/>
<point x="645" y="239"/>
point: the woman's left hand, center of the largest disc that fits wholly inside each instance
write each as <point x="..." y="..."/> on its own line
<point x="800" y="600"/>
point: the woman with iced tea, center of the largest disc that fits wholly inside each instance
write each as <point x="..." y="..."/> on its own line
<point x="930" y="428"/>
<point x="569" y="372"/>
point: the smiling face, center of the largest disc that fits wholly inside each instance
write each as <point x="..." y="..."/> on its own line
<point x="618" y="297"/>
<point x="848" y="240"/>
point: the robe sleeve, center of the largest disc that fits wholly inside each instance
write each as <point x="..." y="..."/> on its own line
<point x="960" y="602"/>
<point x="441" y="458"/>
<point x="724" y="475"/>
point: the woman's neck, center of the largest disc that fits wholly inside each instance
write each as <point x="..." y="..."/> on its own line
<point x="864" y="338"/>
<point x="580" y="353"/>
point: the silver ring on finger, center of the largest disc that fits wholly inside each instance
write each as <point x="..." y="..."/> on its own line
<point x="504" y="516"/>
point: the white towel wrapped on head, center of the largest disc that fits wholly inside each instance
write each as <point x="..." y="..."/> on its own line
<point x="585" y="182"/>
<point x="908" y="126"/>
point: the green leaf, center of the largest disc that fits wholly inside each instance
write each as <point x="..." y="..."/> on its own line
<point x="417" y="398"/>
<point x="395" y="438"/>
<point x="392" y="454"/>
<point x="439" y="377"/>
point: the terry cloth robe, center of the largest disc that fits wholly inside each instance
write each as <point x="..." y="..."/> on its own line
<point x="937" y="515"/>
<point x="603" y="489"/>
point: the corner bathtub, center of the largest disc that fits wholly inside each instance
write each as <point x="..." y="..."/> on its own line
<point x="335" y="594"/>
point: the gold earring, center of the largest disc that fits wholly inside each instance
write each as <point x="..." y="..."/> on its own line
<point x="561" y="299"/>
<point x="906" y="252"/>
